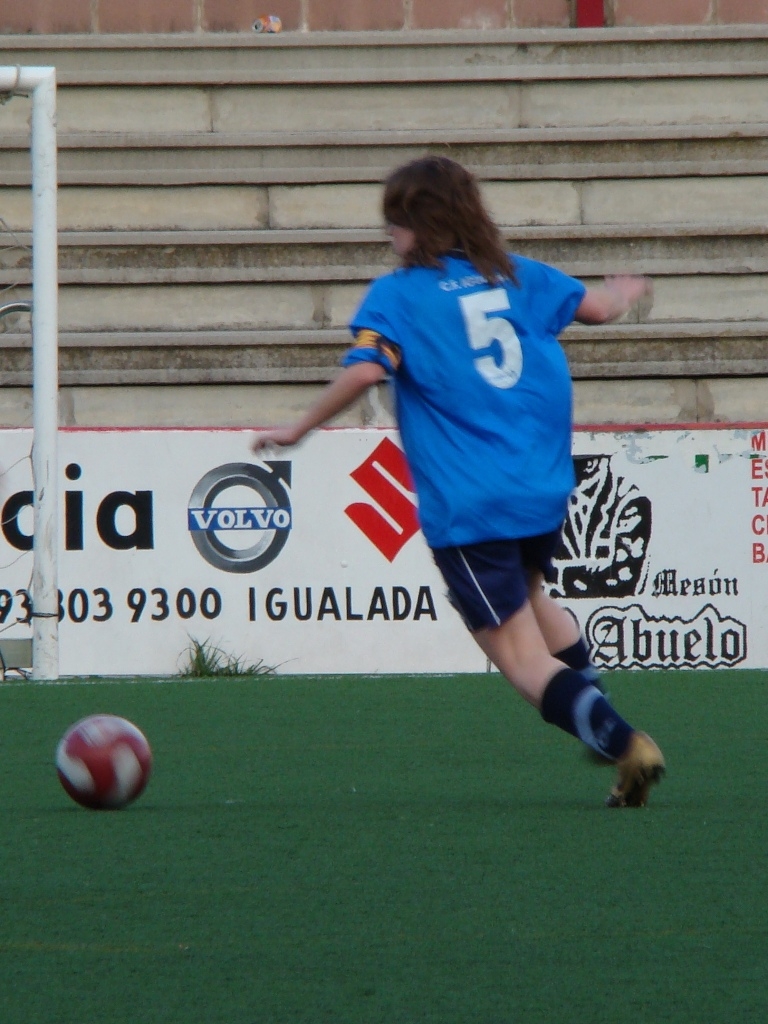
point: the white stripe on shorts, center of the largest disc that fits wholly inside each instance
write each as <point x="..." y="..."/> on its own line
<point x="480" y="590"/>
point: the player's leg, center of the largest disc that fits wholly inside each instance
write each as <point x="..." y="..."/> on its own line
<point x="574" y="704"/>
<point x="488" y="585"/>
<point x="564" y="638"/>
<point x="564" y="697"/>
<point x="560" y="629"/>
<point x="520" y="652"/>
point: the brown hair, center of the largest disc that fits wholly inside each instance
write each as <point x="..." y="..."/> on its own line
<point x="440" y="201"/>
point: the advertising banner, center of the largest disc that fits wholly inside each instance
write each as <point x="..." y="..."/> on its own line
<point x="311" y="561"/>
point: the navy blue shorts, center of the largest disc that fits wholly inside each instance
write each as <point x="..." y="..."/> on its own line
<point x="488" y="582"/>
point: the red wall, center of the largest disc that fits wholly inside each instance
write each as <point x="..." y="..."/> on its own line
<point x="53" y="16"/>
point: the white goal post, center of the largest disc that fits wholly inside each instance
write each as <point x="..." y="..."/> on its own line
<point x="40" y="84"/>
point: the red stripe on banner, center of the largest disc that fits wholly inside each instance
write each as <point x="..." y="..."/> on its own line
<point x="589" y="14"/>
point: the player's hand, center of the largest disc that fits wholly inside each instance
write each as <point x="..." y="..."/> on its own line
<point x="279" y="437"/>
<point x="629" y="288"/>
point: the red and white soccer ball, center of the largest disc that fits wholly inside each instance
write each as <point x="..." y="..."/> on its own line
<point x="103" y="762"/>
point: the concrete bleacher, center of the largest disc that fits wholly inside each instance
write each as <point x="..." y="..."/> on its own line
<point x="219" y="217"/>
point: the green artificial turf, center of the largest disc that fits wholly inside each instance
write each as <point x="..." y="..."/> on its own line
<point x="385" y="851"/>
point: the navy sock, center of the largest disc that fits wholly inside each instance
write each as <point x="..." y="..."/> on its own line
<point x="578" y="656"/>
<point x="575" y="705"/>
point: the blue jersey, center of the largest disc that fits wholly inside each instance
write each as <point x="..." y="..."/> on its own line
<point x="483" y="393"/>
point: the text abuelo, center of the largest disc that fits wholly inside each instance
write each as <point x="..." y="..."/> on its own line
<point x="632" y="638"/>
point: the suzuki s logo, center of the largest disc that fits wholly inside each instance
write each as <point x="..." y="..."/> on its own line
<point x="385" y="477"/>
<point x="239" y="515"/>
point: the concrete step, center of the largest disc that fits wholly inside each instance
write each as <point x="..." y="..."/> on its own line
<point x="219" y="199"/>
<point x="263" y="74"/>
<point x="713" y="281"/>
<point x="266" y="75"/>
<point x="81" y="58"/>
<point x="142" y="158"/>
<point x="327" y="256"/>
<point x="309" y="305"/>
<point x="620" y="351"/>
<point x="412" y="105"/>
<point x="415" y="81"/>
<point x="730" y="200"/>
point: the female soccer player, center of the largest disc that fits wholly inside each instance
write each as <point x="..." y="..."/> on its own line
<point x="468" y="335"/>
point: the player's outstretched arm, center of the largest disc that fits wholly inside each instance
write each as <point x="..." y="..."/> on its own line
<point x="615" y="297"/>
<point x="351" y="383"/>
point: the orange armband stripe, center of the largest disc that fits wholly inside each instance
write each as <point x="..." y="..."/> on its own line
<point x="366" y="338"/>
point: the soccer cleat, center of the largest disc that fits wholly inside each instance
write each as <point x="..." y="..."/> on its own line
<point x="641" y="767"/>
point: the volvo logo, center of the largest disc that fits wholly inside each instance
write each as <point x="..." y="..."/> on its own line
<point x="239" y="515"/>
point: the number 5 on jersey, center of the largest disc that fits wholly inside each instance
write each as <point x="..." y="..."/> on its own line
<point x="483" y="330"/>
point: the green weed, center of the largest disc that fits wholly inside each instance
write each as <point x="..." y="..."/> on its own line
<point x="205" y="660"/>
